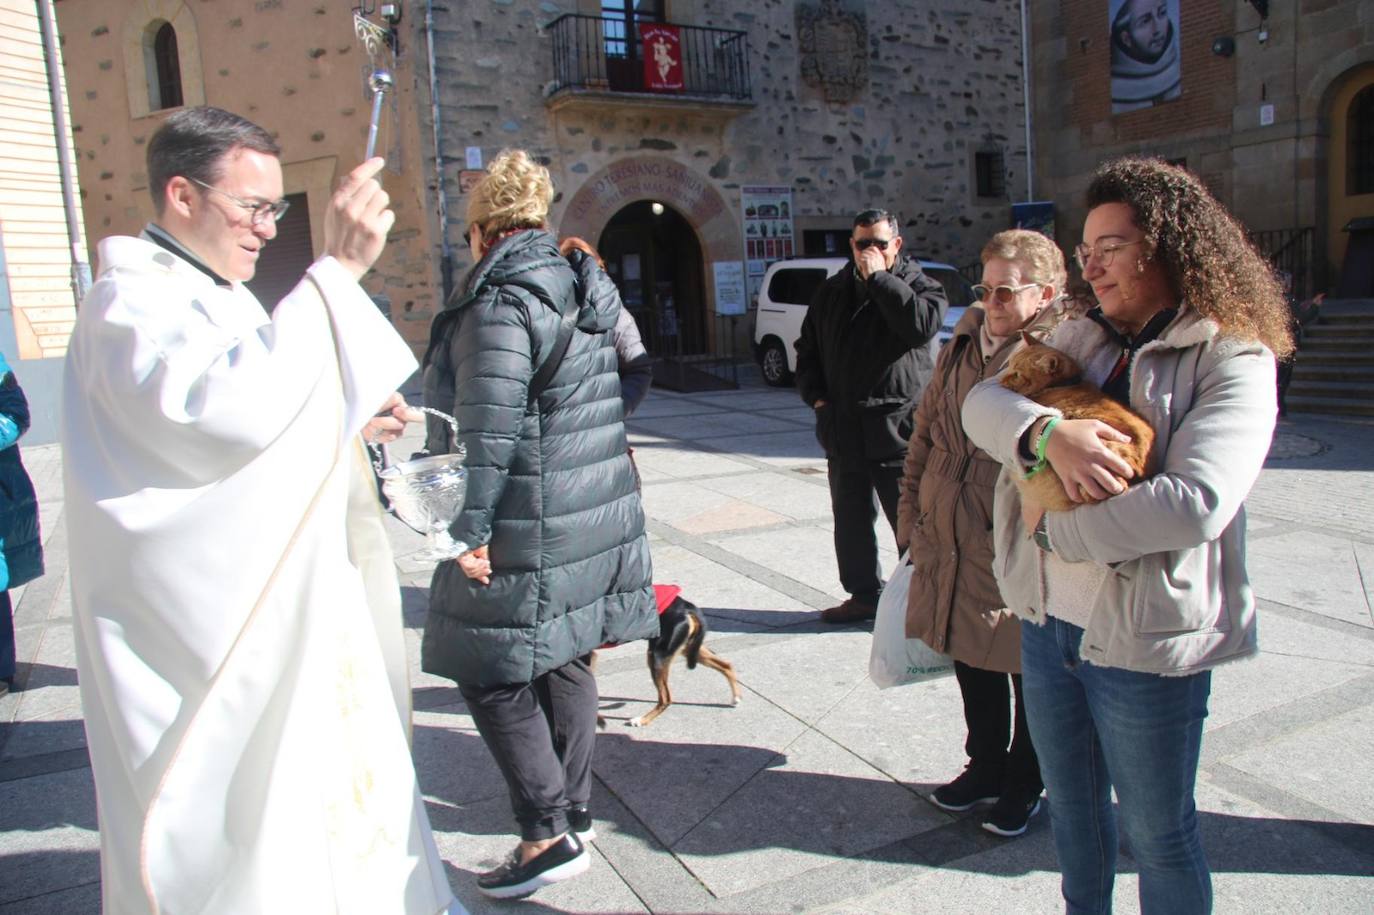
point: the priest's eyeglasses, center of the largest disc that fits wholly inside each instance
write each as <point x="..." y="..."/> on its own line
<point x="262" y="210"/>
<point x="1002" y="295"/>
<point x="1102" y="253"/>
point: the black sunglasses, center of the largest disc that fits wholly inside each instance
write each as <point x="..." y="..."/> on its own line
<point x="863" y="244"/>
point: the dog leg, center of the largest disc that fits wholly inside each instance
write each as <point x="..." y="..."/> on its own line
<point x="716" y="662"/>
<point x="658" y="669"/>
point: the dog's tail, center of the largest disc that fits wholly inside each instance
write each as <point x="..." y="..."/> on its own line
<point x="695" y="640"/>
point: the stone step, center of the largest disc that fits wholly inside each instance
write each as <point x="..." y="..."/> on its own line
<point x="1296" y="404"/>
<point x="1359" y="318"/>
<point x="1361" y="332"/>
<point x="1307" y="370"/>
<point x="1338" y="344"/>
<point x="1350" y="357"/>
<point x="1338" y="390"/>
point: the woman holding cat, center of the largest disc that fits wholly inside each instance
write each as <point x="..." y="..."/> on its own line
<point x="1149" y="587"/>
<point x="944" y="516"/>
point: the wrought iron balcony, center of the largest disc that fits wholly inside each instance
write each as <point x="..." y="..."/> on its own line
<point x="655" y="63"/>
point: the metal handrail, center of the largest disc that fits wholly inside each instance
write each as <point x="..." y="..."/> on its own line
<point x="715" y="61"/>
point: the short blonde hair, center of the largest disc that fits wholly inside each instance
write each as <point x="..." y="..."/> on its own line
<point x="514" y="194"/>
<point x="1037" y="254"/>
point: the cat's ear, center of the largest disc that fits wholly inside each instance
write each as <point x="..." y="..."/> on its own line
<point x="1054" y="364"/>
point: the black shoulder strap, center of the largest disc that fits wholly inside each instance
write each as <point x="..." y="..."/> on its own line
<point x="559" y="349"/>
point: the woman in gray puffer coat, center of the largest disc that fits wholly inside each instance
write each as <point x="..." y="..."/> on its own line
<point x="557" y="561"/>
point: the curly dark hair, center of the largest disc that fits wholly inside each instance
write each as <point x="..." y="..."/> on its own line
<point x="1211" y="265"/>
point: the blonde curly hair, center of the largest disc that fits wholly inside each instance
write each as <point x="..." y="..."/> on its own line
<point x="1041" y="256"/>
<point x="514" y="194"/>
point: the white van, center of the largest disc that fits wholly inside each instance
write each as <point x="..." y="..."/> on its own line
<point x="787" y="289"/>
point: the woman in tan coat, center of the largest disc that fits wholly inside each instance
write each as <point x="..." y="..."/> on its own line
<point x="945" y="518"/>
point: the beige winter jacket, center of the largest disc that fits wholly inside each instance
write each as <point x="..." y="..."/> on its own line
<point x="1177" y="598"/>
<point x="945" y="515"/>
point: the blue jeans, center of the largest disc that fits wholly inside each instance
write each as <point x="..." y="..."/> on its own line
<point x="1096" y="728"/>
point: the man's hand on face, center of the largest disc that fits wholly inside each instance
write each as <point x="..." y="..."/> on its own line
<point x="869" y="261"/>
<point x="875" y="248"/>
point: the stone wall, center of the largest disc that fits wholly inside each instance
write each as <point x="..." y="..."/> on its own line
<point x="295" y="67"/>
<point x="1272" y="175"/>
<point x="943" y="80"/>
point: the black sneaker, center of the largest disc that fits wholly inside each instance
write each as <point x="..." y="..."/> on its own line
<point x="562" y="860"/>
<point x="580" y="822"/>
<point x="975" y="786"/>
<point x="1011" y="814"/>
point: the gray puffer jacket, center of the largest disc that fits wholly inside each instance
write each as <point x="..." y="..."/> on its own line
<point x="550" y="486"/>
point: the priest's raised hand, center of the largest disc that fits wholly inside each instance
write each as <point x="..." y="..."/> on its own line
<point x="357" y="221"/>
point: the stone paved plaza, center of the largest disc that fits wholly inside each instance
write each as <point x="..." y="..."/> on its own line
<point x="810" y="795"/>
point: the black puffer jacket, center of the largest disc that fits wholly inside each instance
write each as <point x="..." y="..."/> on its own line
<point x="550" y="488"/>
<point x="865" y="350"/>
<point x="21" y="546"/>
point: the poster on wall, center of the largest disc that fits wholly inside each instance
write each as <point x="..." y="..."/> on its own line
<point x="1145" y="53"/>
<point x="730" y="287"/>
<point x="662" y="46"/>
<point x="1038" y="216"/>
<point x="768" y="235"/>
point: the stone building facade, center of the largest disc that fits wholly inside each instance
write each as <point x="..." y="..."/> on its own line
<point x="1268" y="116"/>
<point x="833" y="106"/>
<point x="294" y="66"/>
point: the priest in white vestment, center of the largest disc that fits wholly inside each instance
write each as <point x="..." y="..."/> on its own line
<point x="237" y="612"/>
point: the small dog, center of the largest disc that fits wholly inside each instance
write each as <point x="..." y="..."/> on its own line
<point x="681" y="631"/>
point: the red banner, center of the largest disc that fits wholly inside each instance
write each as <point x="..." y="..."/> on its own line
<point x="661" y="46"/>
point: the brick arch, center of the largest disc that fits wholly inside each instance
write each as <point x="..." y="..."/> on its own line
<point x="635" y="178"/>
<point x="1316" y="99"/>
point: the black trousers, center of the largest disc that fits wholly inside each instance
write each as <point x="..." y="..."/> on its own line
<point x="852" y="486"/>
<point x="541" y="734"/>
<point x="987" y="714"/>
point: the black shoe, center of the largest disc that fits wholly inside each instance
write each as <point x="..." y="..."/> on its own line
<point x="580" y="822"/>
<point x="975" y="786"/>
<point x="1011" y="814"/>
<point x="562" y="860"/>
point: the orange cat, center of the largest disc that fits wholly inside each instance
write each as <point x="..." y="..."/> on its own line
<point x="1051" y="377"/>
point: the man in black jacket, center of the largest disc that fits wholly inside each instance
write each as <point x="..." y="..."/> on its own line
<point x="863" y="358"/>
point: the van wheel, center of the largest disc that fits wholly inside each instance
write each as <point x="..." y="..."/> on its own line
<point x="773" y="362"/>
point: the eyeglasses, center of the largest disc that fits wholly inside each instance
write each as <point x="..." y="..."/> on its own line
<point x="1002" y="295"/>
<point x="261" y="210"/>
<point x="1102" y="253"/>
<point x="863" y="244"/>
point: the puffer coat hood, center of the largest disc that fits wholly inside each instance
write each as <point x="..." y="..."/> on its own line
<point x="551" y="488"/>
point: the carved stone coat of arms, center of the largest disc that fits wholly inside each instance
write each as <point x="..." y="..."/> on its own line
<point x="834" y="48"/>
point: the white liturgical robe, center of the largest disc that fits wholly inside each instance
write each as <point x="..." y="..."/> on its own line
<point x="237" y="613"/>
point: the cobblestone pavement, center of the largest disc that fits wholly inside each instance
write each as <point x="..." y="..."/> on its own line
<point x="810" y="795"/>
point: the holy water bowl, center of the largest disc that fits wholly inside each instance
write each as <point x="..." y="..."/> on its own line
<point x="427" y="494"/>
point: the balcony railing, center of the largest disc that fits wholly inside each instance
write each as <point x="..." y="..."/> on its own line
<point x="604" y="54"/>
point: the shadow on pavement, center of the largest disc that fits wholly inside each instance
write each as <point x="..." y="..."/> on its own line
<point x="675" y="777"/>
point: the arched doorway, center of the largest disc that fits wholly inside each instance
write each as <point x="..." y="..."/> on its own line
<point x="1350" y="185"/>
<point x="653" y="255"/>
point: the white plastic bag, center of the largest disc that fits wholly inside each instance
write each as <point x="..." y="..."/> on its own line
<point x="897" y="660"/>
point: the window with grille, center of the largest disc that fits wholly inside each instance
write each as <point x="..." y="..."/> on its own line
<point x="1359" y="155"/>
<point x="989" y="174"/>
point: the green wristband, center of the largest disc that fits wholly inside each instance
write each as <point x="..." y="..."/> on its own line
<point x="1044" y="438"/>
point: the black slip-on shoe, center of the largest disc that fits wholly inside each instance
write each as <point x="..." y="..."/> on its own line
<point x="580" y="822"/>
<point x="563" y="860"/>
